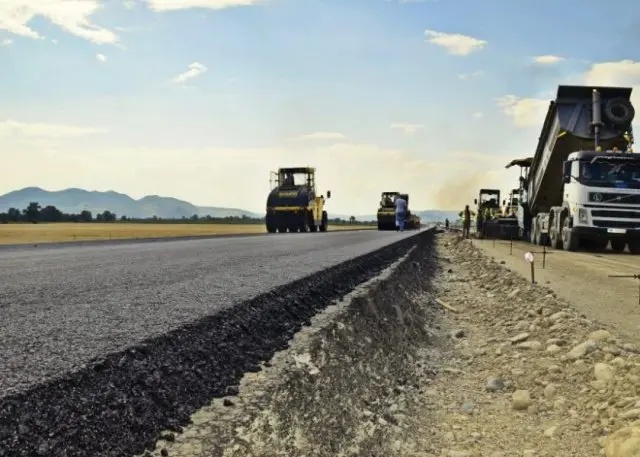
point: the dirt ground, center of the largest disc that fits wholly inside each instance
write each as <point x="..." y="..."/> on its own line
<point x="582" y="278"/>
<point x="501" y="368"/>
<point x="56" y="232"/>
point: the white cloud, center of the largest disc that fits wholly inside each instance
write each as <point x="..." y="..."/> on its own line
<point x="73" y="16"/>
<point x="475" y="74"/>
<point x="195" y="69"/>
<point x="547" y="59"/>
<point x="128" y="4"/>
<point x="54" y="41"/>
<point x="524" y="112"/>
<point x="170" y="5"/>
<point x="478" y="115"/>
<point x="6" y="42"/>
<point x="624" y="73"/>
<point x="409" y="129"/>
<point x="14" y="129"/>
<point x="528" y="112"/>
<point x="322" y="136"/>
<point x="455" y="43"/>
<point x="101" y="57"/>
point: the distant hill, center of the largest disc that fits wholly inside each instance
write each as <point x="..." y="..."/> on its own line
<point x="76" y="200"/>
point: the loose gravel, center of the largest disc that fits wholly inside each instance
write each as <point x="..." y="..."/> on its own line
<point x="195" y="349"/>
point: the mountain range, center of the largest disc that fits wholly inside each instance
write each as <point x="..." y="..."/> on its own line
<point x="74" y="201"/>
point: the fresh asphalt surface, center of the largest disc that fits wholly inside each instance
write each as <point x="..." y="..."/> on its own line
<point x="60" y="307"/>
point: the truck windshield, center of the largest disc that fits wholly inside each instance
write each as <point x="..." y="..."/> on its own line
<point x="294" y="179"/>
<point x="611" y="174"/>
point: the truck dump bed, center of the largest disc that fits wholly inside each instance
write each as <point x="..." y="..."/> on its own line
<point x="566" y="129"/>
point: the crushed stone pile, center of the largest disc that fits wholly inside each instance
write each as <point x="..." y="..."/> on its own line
<point x="526" y="374"/>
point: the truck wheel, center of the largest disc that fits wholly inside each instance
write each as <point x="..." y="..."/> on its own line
<point x="532" y="232"/>
<point x="617" y="246"/>
<point x="634" y="247"/>
<point x="325" y="222"/>
<point x="619" y="111"/>
<point x="555" y="237"/>
<point x="570" y="241"/>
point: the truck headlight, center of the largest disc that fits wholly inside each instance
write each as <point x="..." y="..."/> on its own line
<point x="582" y="215"/>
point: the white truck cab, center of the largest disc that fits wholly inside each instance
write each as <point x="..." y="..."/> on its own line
<point x="602" y="199"/>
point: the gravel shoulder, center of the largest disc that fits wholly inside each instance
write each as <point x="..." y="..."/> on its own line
<point x="582" y="278"/>
<point x="527" y="374"/>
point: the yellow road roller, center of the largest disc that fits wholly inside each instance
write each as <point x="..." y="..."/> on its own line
<point x="387" y="213"/>
<point x="293" y="205"/>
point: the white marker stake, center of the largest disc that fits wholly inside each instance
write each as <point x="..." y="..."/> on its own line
<point x="530" y="259"/>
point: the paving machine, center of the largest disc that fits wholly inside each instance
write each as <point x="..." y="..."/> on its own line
<point x="293" y="205"/>
<point x="489" y="220"/>
<point x="387" y="213"/>
<point x="510" y="205"/>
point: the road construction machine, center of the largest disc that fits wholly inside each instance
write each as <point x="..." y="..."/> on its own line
<point x="293" y="204"/>
<point x="490" y="223"/>
<point x="582" y="186"/>
<point x="510" y="205"/>
<point x="387" y="213"/>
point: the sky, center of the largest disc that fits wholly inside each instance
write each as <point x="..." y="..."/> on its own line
<point x="201" y="99"/>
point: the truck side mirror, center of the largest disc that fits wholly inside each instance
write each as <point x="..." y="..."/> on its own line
<point x="328" y="194"/>
<point x="566" y="172"/>
<point x="475" y="201"/>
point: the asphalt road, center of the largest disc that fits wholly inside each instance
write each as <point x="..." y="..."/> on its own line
<point x="60" y="307"/>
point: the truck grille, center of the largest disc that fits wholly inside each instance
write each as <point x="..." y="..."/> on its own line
<point x="627" y="199"/>
<point x="616" y="224"/>
<point x="615" y="213"/>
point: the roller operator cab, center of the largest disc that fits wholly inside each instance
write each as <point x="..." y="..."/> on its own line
<point x="582" y="187"/>
<point x="293" y="205"/>
<point x="387" y="212"/>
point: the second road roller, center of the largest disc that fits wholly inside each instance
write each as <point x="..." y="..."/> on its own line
<point x="293" y="205"/>
<point x="387" y="213"/>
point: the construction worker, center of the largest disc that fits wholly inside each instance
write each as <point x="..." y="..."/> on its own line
<point x="466" y="221"/>
<point x="446" y="223"/>
<point x="401" y="211"/>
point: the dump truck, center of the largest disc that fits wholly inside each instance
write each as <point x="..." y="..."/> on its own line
<point x="293" y="204"/>
<point x="581" y="188"/>
<point x="387" y="212"/>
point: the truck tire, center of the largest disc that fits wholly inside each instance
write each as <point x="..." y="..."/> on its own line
<point x="555" y="237"/>
<point x="618" y="245"/>
<point x="570" y="241"/>
<point x="325" y="222"/>
<point x="634" y="247"/>
<point x="619" y="111"/>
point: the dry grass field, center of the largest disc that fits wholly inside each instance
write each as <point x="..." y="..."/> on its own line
<point x="50" y="233"/>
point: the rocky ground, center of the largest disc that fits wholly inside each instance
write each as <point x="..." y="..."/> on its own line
<point x="479" y="363"/>
<point x="527" y="376"/>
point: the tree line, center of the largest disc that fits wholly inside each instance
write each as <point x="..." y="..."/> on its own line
<point x="35" y="213"/>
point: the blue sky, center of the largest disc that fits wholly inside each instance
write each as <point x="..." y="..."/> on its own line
<point x="431" y="97"/>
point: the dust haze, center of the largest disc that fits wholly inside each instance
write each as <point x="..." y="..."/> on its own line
<point x="461" y="190"/>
